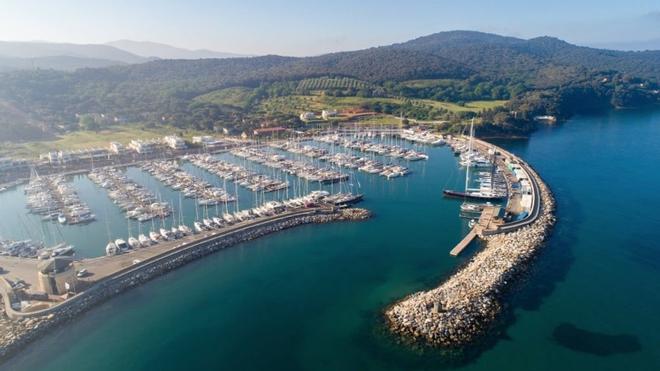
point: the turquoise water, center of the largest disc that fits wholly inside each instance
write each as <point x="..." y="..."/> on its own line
<point x="311" y="298"/>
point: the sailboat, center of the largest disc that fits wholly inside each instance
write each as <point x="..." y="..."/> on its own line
<point x="111" y="248"/>
<point x="132" y="241"/>
<point x="471" y="193"/>
<point x="142" y="239"/>
<point x="183" y="229"/>
<point x="153" y="235"/>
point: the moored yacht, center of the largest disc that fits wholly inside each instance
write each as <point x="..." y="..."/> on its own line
<point x="133" y="242"/>
<point x="144" y="240"/>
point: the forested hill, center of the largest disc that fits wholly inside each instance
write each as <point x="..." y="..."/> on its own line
<point x="540" y="75"/>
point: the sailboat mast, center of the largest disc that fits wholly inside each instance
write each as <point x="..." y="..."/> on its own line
<point x="469" y="159"/>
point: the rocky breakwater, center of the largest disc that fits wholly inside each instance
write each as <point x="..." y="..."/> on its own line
<point x="18" y="331"/>
<point x="466" y="304"/>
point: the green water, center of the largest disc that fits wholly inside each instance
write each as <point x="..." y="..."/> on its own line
<point x="311" y="298"/>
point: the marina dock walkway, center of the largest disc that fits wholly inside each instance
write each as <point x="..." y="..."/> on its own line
<point x="465" y="242"/>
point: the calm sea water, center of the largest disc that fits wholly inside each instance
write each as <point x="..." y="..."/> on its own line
<point x="311" y="298"/>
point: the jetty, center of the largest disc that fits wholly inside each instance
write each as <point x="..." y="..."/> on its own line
<point x="464" y="242"/>
<point x="107" y="276"/>
<point x="464" y="306"/>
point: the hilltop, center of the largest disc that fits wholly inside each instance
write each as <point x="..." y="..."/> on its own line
<point x="542" y="75"/>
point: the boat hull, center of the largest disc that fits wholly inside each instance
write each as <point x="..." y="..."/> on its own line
<point x="463" y="195"/>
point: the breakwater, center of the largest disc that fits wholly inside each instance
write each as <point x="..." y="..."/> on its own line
<point x="464" y="306"/>
<point x="19" y="329"/>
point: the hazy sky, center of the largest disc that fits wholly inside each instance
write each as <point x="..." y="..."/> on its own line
<point x="297" y="27"/>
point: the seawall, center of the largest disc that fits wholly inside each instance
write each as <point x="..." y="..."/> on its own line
<point x="464" y="306"/>
<point x="19" y="329"/>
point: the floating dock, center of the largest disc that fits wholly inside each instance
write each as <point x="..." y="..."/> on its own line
<point x="465" y="242"/>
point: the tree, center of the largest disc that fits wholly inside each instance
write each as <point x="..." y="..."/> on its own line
<point x="88" y="122"/>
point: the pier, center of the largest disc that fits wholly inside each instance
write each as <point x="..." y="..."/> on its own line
<point x="465" y="242"/>
<point x="489" y="224"/>
<point x="470" y="300"/>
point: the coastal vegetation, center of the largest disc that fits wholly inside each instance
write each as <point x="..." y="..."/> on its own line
<point x="437" y="77"/>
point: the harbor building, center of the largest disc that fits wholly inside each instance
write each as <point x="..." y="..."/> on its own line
<point x="175" y="142"/>
<point x="117" y="148"/>
<point x="326" y="114"/>
<point x="208" y="142"/>
<point x="56" y="275"/>
<point x="143" y="147"/>
<point x="307" y="116"/>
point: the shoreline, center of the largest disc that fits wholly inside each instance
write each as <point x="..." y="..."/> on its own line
<point x="19" y="332"/>
<point x="465" y="305"/>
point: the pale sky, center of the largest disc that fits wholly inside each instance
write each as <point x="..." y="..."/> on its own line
<point x="299" y="27"/>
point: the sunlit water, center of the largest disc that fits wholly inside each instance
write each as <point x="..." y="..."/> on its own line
<point x="311" y="298"/>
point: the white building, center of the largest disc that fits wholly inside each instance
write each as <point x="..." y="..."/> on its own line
<point x="117" y="148"/>
<point x="306" y="116"/>
<point x="174" y="142"/>
<point x="208" y="142"/>
<point x="326" y="114"/>
<point x="143" y="147"/>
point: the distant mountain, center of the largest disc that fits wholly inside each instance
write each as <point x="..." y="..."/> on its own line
<point x="36" y="49"/>
<point x="506" y="56"/>
<point x="62" y="56"/>
<point x="543" y="75"/>
<point x="64" y="63"/>
<point x="163" y="51"/>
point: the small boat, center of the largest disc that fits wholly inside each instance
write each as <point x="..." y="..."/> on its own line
<point x="199" y="227"/>
<point x="228" y="218"/>
<point x="154" y="236"/>
<point x="144" y="240"/>
<point x="63" y="251"/>
<point x="175" y="233"/>
<point x="133" y="242"/>
<point x="165" y="234"/>
<point x="208" y="223"/>
<point x="217" y="221"/>
<point x="111" y="249"/>
<point x="121" y="244"/>
<point x="61" y="219"/>
<point x="184" y="229"/>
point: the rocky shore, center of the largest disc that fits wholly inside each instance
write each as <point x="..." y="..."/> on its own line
<point x="16" y="333"/>
<point x="465" y="305"/>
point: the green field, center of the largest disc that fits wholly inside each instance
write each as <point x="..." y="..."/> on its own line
<point x="325" y="83"/>
<point x="88" y="139"/>
<point x="429" y="83"/>
<point x="237" y="97"/>
<point x="294" y="105"/>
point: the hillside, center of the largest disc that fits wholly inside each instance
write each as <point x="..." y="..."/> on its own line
<point x="539" y="76"/>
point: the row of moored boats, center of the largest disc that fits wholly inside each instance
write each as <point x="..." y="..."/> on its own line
<point x="132" y="198"/>
<point x="54" y="198"/>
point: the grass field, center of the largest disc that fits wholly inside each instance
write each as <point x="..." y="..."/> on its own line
<point x="294" y="105"/>
<point x="88" y="139"/>
<point x="237" y="97"/>
<point x="429" y="83"/>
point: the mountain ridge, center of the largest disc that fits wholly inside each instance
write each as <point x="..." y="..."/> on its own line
<point x="543" y="75"/>
<point x="165" y="51"/>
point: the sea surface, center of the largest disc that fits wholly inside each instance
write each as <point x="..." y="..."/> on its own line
<point x="311" y="298"/>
